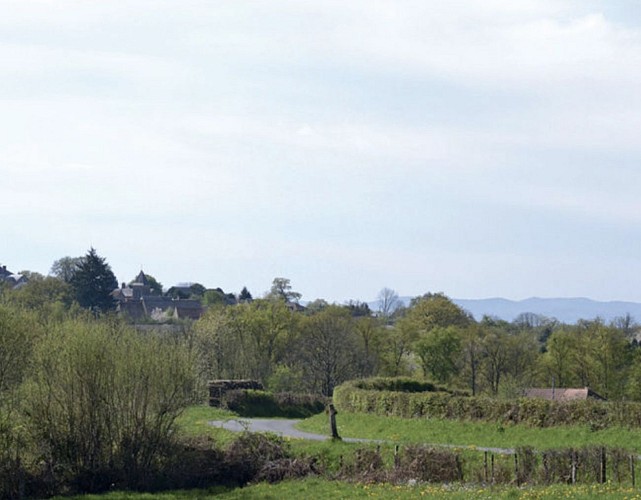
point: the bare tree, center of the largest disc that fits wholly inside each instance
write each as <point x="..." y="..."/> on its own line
<point x="388" y="302"/>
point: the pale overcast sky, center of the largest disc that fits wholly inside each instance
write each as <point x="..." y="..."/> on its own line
<point x="480" y="148"/>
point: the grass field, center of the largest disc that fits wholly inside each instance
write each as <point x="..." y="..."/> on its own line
<point x="471" y="434"/>
<point x="194" y="420"/>
<point x="320" y="488"/>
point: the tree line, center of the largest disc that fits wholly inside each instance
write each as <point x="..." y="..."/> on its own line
<point x="314" y="348"/>
<point x="432" y="338"/>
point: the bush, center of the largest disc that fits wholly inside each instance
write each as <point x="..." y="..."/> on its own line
<point x="251" y="403"/>
<point x="247" y="455"/>
<point x="194" y="463"/>
<point x="396" y="384"/>
<point x="424" y="463"/>
<point x="367" y="466"/>
<point x="102" y="402"/>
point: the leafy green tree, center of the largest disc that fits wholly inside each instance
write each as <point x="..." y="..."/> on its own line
<point x="633" y="385"/>
<point x="31" y="275"/>
<point x="438" y="351"/>
<point x="433" y="310"/>
<point x="425" y="314"/>
<point x="220" y="350"/>
<point x="193" y="291"/>
<point x="611" y="359"/>
<point x="247" y="340"/>
<point x="282" y="289"/>
<point x="397" y="342"/>
<point x="316" y="306"/>
<point x="218" y="297"/>
<point x="65" y="267"/>
<point x="270" y="326"/>
<point x="558" y="361"/>
<point x="93" y="282"/>
<point x="50" y="298"/>
<point x="285" y="378"/>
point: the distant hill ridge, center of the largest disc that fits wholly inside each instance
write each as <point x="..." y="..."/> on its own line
<point x="567" y="310"/>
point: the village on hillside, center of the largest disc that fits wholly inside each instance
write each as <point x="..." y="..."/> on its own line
<point x="144" y="300"/>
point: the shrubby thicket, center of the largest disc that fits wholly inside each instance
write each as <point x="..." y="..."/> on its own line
<point x="86" y="403"/>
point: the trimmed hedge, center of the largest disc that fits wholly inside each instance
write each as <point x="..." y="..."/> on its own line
<point x="533" y="412"/>
<point x="252" y="403"/>
<point x="397" y="384"/>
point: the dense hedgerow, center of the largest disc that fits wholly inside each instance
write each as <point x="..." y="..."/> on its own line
<point x="397" y="384"/>
<point x="533" y="412"/>
<point x="253" y="403"/>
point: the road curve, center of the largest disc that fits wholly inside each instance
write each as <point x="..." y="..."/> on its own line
<point x="282" y="427"/>
<point x="286" y="428"/>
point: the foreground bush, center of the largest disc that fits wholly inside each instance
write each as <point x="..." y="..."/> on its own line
<point x="102" y="403"/>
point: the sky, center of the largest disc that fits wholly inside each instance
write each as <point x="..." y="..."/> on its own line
<point x="480" y="148"/>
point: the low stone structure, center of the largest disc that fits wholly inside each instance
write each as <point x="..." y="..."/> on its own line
<point x="218" y="389"/>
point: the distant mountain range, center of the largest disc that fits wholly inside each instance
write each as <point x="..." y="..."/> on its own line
<point x="567" y="310"/>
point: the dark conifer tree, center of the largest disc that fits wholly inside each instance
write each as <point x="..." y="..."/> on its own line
<point x="245" y="296"/>
<point x="93" y="281"/>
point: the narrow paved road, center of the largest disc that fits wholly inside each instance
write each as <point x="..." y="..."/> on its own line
<point x="277" y="426"/>
<point x="287" y="428"/>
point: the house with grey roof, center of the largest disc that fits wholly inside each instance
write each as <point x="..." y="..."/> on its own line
<point x="14" y="280"/>
<point x="136" y="302"/>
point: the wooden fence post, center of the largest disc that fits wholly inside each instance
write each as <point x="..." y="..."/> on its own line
<point x="603" y="467"/>
<point x="632" y="469"/>
<point x="332" y="421"/>
<point x="516" y="469"/>
<point x="492" y="466"/>
<point x="397" y="460"/>
<point x="485" y="467"/>
<point x="573" y="472"/>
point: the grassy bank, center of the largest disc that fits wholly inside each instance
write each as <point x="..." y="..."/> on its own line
<point x="470" y="434"/>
